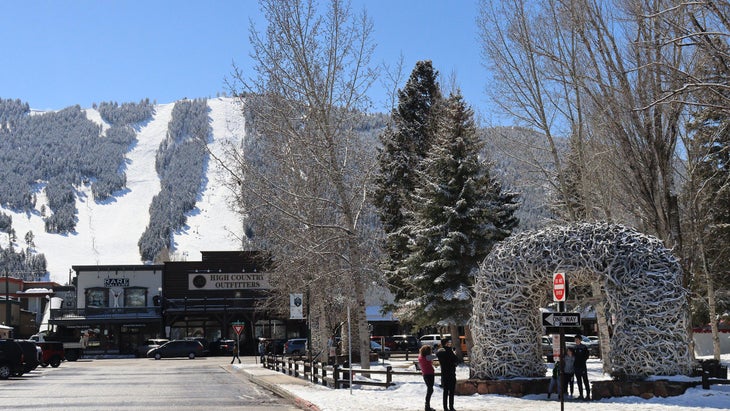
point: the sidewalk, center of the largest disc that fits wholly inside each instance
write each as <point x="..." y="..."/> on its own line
<point x="273" y="381"/>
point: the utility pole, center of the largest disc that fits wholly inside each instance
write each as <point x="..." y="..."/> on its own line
<point x="7" y="299"/>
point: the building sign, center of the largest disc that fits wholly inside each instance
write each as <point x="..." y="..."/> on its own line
<point x="116" y="282"/>
<point x="228" y="281"/>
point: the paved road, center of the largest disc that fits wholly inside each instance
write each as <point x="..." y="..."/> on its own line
<point x="138" y="384"/>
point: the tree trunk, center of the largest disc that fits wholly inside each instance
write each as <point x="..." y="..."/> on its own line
<point x="603" y="330"/>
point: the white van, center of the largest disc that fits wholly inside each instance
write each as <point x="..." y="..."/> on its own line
<point x="432" y="339"/>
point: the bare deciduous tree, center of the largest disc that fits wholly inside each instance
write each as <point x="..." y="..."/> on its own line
<point x="303" y="172"/>
<point x="609" y="75"/>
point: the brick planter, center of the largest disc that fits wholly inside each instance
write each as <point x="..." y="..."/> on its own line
<point x="643" y="389"/>
<point x="518" y="387"/>
<point x="515" y="387"/>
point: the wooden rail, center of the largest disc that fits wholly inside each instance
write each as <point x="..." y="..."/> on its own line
<point x="335" y="376"/>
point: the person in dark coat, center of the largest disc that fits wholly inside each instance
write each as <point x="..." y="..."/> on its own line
<point x="447" y="361"/>
<point x="581" y="370"/>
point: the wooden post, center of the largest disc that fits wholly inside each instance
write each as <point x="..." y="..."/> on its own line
<point x="336" y="375"/>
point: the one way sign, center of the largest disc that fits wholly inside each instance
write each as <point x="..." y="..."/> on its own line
<point x="561" y="319"/>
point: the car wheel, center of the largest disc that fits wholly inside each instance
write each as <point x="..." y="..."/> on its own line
<point x="44" y="364"/>
<point x="55" y="362"/>
<point x="4" y="372"/>
<point x="157" y="356"/>
<point x="191" y="356"/>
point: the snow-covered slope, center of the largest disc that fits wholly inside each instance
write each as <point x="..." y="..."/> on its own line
<point x="107" y="232"/>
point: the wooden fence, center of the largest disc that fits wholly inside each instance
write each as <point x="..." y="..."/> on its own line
<point x="334" y="376"/>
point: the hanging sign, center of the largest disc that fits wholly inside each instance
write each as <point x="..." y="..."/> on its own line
<point x="296" y="311"/>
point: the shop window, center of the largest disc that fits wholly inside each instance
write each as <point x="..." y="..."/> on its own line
<point x="97" y="297"/>
<point x="135" y="297"/>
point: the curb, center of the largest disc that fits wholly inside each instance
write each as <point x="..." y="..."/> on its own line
<point x="296" y="400"/>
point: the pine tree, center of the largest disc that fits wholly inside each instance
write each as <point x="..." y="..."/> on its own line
<point x="404" y="145"/>
<point x="460" y="212"/>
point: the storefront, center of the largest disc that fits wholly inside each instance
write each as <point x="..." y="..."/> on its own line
<point x="117" y="308"/>
<point x="205" y="298"/>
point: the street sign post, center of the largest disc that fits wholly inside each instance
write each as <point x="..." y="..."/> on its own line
<point x="238" y="328"/>
<point x="561" y="319"/>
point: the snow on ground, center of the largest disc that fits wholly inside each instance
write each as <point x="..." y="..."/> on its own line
<point x="107" y="232"/>
<point x="410" y="391"/>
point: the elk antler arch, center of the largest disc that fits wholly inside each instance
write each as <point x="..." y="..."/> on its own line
<point x="643" y="288"/>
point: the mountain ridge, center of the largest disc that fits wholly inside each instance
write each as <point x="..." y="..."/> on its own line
<point x="107" y="231"/>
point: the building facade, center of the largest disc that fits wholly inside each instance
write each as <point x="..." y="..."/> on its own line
<point x="206" y="298"/>
<point x="117" y="307"/>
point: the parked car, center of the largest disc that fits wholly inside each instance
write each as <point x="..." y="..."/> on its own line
<point x="432" y="339"/>
<point x="295" y="346"/>
<point x="203" y="342"/>
<point x="547" y="348"/>
<point x="383" y="352"/>
<point x="30" y="355"/>
<point x="177" y="348"/>
<point x="52" y="353"/>
<point x="593" y="346"/>
<point x="404" y="342"/>
<point x="11" y="359"/>
<point x="383" y="340"/>
<point x="274" y="346"/>
<point x="222" y="347"/>
<point x="149" y="344"/>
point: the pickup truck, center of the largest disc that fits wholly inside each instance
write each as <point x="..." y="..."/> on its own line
<point x="68" y="350"/>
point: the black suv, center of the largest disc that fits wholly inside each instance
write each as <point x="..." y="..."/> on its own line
<point x="30" y="355"/>
<point x="404" y="342"/>
<point x="11" y="359"/>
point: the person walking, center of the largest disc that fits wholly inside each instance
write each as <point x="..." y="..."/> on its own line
<point x="235" y="354"/>
<point x="569" y="370"/>
<point x="581" y="370"/>
<point x="447" y="361"/>
<point x="425" y="363"/>
<point x="262" y="349"/>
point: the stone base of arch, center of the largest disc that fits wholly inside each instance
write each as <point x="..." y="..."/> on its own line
<point x="519" y="387"/>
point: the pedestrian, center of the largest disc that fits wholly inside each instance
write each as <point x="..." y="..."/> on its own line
<point x="554" y="380"/>
<point x="581" y="370"/>
<point x="262" y="349"/>
<point x="235" y="354"/>
<point x="447" y="361"/>
<point x="425" y="362"/>
<point x="569" y="370"/>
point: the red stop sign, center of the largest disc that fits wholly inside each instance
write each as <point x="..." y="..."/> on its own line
<point x="559" y="293"/>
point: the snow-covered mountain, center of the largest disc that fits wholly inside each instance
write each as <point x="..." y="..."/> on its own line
<point x="107" y="232"/>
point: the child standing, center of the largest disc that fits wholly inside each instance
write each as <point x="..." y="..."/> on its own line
<point x="555" y="380"/>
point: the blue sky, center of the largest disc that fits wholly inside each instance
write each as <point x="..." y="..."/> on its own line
<point x="66" y="52"/>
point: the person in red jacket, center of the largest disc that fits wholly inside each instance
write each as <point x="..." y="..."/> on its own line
<point x="425" y="362"/>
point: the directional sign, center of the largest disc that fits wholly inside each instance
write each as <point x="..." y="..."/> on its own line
<point x="559" y="290"/>
<point x="561" y="319"/>
<point x="238" y="328"/>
